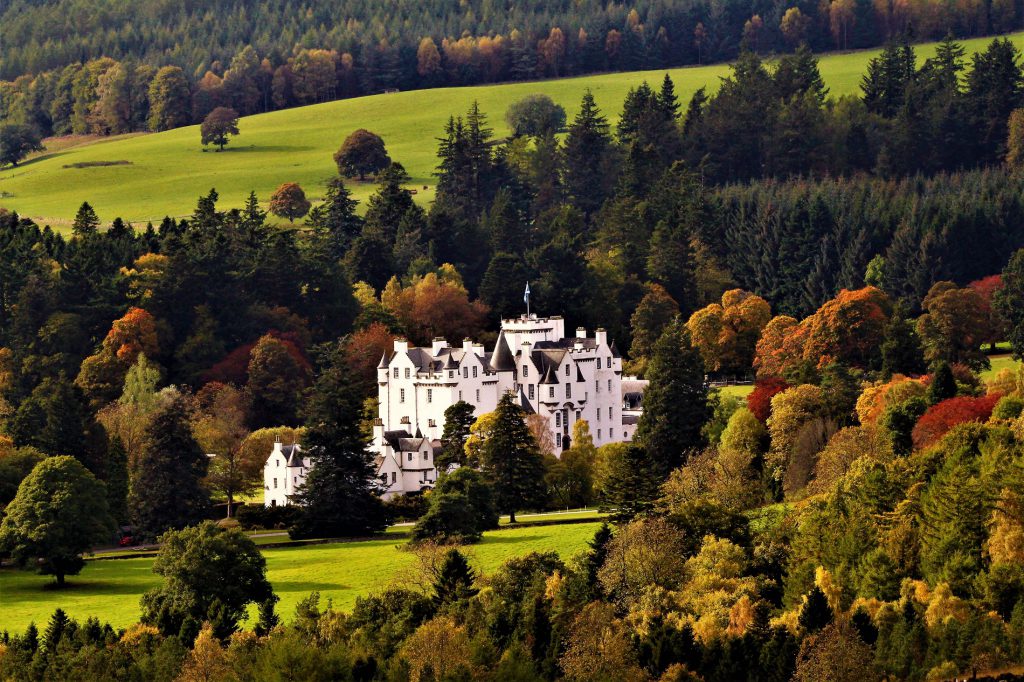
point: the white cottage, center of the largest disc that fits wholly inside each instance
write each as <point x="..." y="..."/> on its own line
<point x="283" y="473"/>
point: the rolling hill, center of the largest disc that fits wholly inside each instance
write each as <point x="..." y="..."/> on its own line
<point x="150" y="176"/>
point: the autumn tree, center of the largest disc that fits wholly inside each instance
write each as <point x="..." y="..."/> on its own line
<point x="218" y="125"/>
<point x="727" y="334"/>
<point x="511" y="460"/>
<point x="361" y="154"/>
<point x="219" y="426"/>
<point x="289" y="201"/>
<point x="434" y="305"/>
<point x="654" y="312"/>
<point x="278" y="378"/>
<point x="103" y="373"/>
<point x="599" y="648"/>
<point x="59" y="512"/>
<point x="954" y="325"/>
<point x="942" y="417"/>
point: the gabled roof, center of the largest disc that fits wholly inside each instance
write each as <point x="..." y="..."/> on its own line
<point x="292" y="455"/>
<point x="385" y="359"/>
<point x="550" y="374"/>
<point x="615" y="350"/>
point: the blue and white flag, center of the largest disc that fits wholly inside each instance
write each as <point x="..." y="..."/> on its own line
<point x="526" y="294"/>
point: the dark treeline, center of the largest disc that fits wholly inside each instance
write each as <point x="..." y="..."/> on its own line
<point x="61" y="59"/>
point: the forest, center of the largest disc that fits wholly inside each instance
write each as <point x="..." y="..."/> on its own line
<point x="168" y="64"/>
<point x="857" y="516"/>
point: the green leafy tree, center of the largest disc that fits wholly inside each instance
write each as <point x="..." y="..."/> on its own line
<point x="535" y="115"/>
<point x="338" y="498"/>
<point x="59" y="512"/>
<point x="210" y="574"/>
<point x="449" y="519"/>
<point x="458" y="418"/>
<point x="167" y="491"/>
<point x="16" y="142"/>
<point x="289" y="201"/>
<point x="277" y="381"/>
<point x="169" y="100"/>
<point x="218" y="125"/>
<point x="361" y="154"/>
<point x="512" y="460"/>
<point x="627" y="481"/>
<point x="675" y="402"/>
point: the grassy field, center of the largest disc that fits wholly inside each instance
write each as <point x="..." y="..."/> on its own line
<point x="341" y="572"/>
<point x="999" y="363"/>
<point x="166" y="172"/>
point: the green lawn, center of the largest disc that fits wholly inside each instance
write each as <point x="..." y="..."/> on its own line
<point x="343" y="571"/>
<point x="168" y="171"/>
<point x="999" y="363"/>
<point x="741" y="391"/>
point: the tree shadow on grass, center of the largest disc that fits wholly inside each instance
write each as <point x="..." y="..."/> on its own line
<point x="268" y="148"/>
<point x="505" y="540"/>
<point x="306" y="586"/>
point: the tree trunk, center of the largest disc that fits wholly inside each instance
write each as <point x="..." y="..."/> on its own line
<point x="231" y="502"/>
<point x="512" y="516"/>
<point x="60" y="579"/>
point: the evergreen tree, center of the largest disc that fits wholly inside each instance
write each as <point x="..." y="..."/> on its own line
<point x="454" y="580"/>
<point x="631" y="482"/>
<point x="338" y="498"/>
<point x="887" y="79"/>
<point x="335" y="222"/>
<point x="1009" y="302"/>
<point x="995" y="87"/>
<point x="901" y="349"/>
<point x="675" y="402"/>
<point x="86" y="221"/>
<point x="586" y="155"/>
<point x="943" y="384"/>
<point x="798" y="74"/>
<point x="167" y="492"/>
<point x="815" y="612"/>
<point x="512" y="460"/>
<point x="458" y="418"/>
<point x="667" y="100"/>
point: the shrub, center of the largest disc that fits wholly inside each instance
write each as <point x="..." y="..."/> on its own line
<point x="759" y="401"/>
<point x="258" y="517"/>
<point x="408" y="507"/>
<point x="1009" y="407"/>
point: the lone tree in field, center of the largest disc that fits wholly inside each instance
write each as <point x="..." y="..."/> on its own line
<point x="512" y="460"/>
<point x="17" y="142"/>
<point x="362" y="153"/>
<point x="217" y="125"/>
<point x="59" y="512"/>
<point x="289" y="201"/>
<point x="210" y="574"/>
<point x="535" y="115"/>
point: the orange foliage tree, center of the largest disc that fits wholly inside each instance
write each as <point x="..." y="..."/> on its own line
<point x="848" y="329"/>
<point x="942" y="417"/>
<point x="726" y="334"/>
<point x="759" y="401"/>
<point x="102" y="374"/>
<point x="878" y="396"/>
<point x="954" y="325"/>
<point x="365" y="348"/>
<point x="435" y="305"/>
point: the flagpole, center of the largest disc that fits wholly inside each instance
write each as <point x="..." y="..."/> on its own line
<point x="527" y="300"/>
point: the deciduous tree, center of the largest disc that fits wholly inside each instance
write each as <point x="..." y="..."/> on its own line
<point x="289" y="201"/>
<point x="361" y="154"/>
<point x="218" y="125"/>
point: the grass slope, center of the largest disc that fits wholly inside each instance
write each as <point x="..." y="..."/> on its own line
<point x="168" y="171"/>
<point x="111" y="589"/>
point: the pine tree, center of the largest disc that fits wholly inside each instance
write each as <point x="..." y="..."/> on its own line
<point x="338" y="498"/>
<point x="675" y="402"/>
<point x="1009" y="302"/>
<point x="454" y="579"/>
<point x="667" y="99"/>
<point x="586" y="153"/>
<point x="86" y="221"/>
<point x="457" y="420"/>
<point x="167" y="492"/>
<point x="943" y="384"/>
<point x="512" y="460"/>
<point x="335" y="222"/>
<point x="815" y="612"/>
<point x="55" y="629"/>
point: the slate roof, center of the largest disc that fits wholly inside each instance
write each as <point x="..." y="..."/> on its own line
<point x="501" y="359"/>
<point x="292" y="455"/>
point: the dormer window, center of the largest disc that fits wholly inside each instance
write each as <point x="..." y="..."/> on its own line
<point x="396" y="372"/>
<point x="551" y="391"/>
<point x="426" y="455"/>
<point x="568" y="390"/>
<point x="567" y="370"/>
<point x="474" y="371"/>
<point x="451" y="374"/>
<point x="406" y="372"/>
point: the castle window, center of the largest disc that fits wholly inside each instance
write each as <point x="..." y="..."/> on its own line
<point x="460" y="395"/>
<point x="531" y="391"/>
<point x="401" y="395"/>
<point x="611" y="433"/>
<point x="610" y="415"/>
<point x="551" y="391"/>
<point x="599" y="363"/>
<point x="451" y="374"/>
<point x="599" y="414"/>
<point x="426" y="455"/>
<point x="578" y="415"/>
<point x="599" y="434"/>
<point x="474" y="372"/>
<point x="430" y="395"/>
<point x="478" y="395"/>
<point x="558" y="440"/>
<point x="278" y="461"/>
<point x="609" y="385"/>
<point x="465" y="372"/>
<point x="526" y="371"/>
<point x="558" y="418"/>
<point x="275" y="483"/>
<point x="567" y="370"/>
<point x="568" y="390"/>
<point x="396" y="372"/>
<point x="394" y="476"/>
<point x="597" y="386"/>
<point x="410" y="456"/>
<point x="295" y="480"/>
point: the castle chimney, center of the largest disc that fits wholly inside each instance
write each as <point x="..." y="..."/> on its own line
<point x="581" y="332"/>
<point x="401" y="345"/>
<point x="601" y="336"/>
<point x="437" y="345"/>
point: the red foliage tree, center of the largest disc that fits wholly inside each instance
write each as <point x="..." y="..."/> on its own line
<point x="365" y="348"/>
<point x="986" y="287"/>
<point x="940" y="418"/>
<point x="759" y="401"/>
<point x="234" y="368"/>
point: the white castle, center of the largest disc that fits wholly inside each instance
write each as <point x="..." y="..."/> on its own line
<point x="562" y="379"/>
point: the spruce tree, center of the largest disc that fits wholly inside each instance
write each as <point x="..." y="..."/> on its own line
<point x="86" y="221"/>
<point x="586" y="152"/>
<point x="815" y="612"/>
<point x="512" y="460"/>
<point x="667" y="99"/>
<point x="335" y="222"/>
<point x="458" y="418"/>
<point x="167" y="492"/>
<point x="454" y="579"/>
<point x="943" y="384"/>
<point x="675" y="402"/>
<point x="1009" y="302"/>
<point x="339" y="497"/>
<point x="901" y="349"/>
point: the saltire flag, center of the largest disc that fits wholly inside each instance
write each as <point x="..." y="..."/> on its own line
<point x="526" y="294"/>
